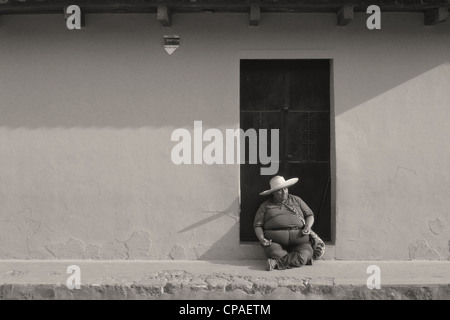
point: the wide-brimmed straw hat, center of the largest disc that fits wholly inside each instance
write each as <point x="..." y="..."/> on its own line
<point x="277" y="183"/>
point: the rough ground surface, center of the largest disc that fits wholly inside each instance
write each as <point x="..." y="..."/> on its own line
<point x="242" y="280"/>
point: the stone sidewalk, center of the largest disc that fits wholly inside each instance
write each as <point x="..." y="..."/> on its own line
<point x="223" y="280"/>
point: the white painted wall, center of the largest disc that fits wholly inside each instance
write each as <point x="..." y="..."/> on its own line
<point x="86" y="119"/>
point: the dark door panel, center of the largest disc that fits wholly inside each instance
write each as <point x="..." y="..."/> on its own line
<point x="309" y="85"/>
<point x="262" y="89"/>
<point x="308" y="136"/>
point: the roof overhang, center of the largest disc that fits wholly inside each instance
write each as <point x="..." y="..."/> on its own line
<point x="434" y="10"/>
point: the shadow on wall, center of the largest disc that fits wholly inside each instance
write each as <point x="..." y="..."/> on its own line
<point x="222" y="252"/>
<point x="90" y="80"/>
<point x="230" y="211"/>
<point x="228" y="247"/>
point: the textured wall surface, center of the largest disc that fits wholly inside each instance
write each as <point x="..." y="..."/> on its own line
<point x="86" y="119"/>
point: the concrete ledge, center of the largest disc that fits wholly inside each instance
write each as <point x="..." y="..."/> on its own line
<point x="149" y="292"/>
<point x="223" y="280"/>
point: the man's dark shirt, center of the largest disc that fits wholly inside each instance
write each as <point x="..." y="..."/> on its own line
<point x="275" y="216"/>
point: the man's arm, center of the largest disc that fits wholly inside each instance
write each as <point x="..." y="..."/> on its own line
<point x="259" y="223"/>
<point x="308" y="214"/>
<point x="260" y="234"/>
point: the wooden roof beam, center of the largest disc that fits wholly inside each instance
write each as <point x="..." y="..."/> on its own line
<point x="255" y="14"/>
<point x="435" y="16"/>
<point x="345" y="15"/>
<point x="164" y="15"/>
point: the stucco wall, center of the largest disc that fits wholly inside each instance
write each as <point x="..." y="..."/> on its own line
<point x="87" y="116"/>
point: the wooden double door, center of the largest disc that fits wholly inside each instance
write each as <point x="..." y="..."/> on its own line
<point x="292" y="96"/>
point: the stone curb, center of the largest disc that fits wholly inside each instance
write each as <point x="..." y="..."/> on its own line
<point x="182" y="285"/>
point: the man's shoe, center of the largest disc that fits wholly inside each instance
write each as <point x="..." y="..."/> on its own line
<point x="271" y="264"/>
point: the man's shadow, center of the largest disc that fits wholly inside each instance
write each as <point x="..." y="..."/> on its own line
<point x="229" y="245"/>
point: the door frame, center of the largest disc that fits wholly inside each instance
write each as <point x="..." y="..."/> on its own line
<point x="296" y="54"/>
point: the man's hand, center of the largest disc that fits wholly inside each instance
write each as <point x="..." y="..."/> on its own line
<point x="309" y="221"/>
<point x="266" y="242"/>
